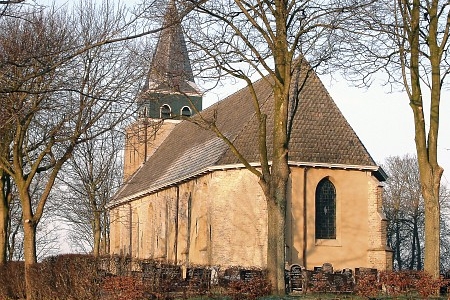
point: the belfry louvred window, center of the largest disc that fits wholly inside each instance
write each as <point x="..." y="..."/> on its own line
<point x="165" y="112"/>
<point x="186" y="111"/>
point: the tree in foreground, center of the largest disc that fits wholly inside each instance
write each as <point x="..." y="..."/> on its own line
<point x="253" y="39"/>
<point x="54" y="103"/>
<point x="7" y="9"/>
<point x="407" y="41"/>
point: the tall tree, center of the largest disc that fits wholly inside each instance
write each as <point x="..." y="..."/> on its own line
<point x="5" y="183"/>
<point x="258" y="38"/>
<point x="5" y="202"/>
<point x="89" y="181"/>
<point x="54" y="105"/>
<point x="47" y="233"/>
<point x="403" y="206"/>
<point x="7" y="9"/>
<point x="407" y="40"/>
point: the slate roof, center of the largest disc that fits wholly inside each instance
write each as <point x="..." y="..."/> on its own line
<point x="170" y="69"/>
<point x="321" y="136"/>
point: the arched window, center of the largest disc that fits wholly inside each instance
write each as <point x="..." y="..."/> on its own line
<point x="165" y="112"/>
<point x="325" y="210"/>
<point x="186" y="111"/>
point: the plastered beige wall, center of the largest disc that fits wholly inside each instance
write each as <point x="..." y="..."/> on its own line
<point x="221" y="219"/>
<point x="238" y="219"/>
<point x="216" y="219"/>
<point x="357" y="234"/>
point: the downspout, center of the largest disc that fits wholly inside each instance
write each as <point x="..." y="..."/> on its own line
<point x="176" y="225"/>
<point x="166" y="238"/>
<point x="130" y="219"/>
<point x="305" y="214"/>
<point x="189" y="227"/>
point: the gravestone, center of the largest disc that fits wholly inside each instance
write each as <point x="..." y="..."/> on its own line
<point x="296" y="278"/>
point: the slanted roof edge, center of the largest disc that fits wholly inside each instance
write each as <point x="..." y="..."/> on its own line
<point x="378" y="172"/>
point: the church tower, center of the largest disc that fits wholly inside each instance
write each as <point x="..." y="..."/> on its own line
<point x="168" y="96"/>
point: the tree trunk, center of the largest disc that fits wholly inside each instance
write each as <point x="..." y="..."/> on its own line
<point x="4" y="221"/>
<point x="279" y="175"/>
<point x="426" y="144"/>
<point x="29" y="236"/>
<point x="276" y="198"/>
<point x="397" y="245"/>
<point x="29" y="248"/>
<point x="105" y="236"/>
<point x="4" y="217"/>
<point x="415" y="256"/>
<point x="97" y="233"/>
<point x="430" y="193"/>
<point x="276" y="247"/>
<point x="419" y="251"/>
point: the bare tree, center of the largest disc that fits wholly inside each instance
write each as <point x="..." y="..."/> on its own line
<point x="7" y="214"/>
<point x="56" y="106"/>
<point x="91" y="179"/>
<point x="270" y="39"/>
<point x="407" y="41"/>
<point x="47" y="233"/>
<point x="14" y="246"/>
<point x="5" y="202"/>
<point x="5" y="6"/>
<point x="445" y="226"/>
<point x="404" y="208"/>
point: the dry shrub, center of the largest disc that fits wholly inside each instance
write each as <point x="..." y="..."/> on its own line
<point x="12" y="283"/>
<point x="368" y="285"/>
<point x="252" y="289"/>
<point x="69" y="276"/>
<point x="426" y="285"/>
<point x="122" y="288"/>
<point x="404" y="283"/>
<point x="397" y="283"/>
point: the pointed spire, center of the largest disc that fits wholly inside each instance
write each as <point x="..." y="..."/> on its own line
<point x="170" y="69"/>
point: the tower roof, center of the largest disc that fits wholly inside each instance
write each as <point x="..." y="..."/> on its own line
<point x="170" y="69"/>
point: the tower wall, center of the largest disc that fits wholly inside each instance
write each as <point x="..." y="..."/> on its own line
<point x="142" y="140"/>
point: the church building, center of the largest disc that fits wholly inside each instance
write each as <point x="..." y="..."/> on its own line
<point x="187" y="199"/>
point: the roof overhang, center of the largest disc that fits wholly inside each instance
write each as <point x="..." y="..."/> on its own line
<point x="377" y="171"/>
